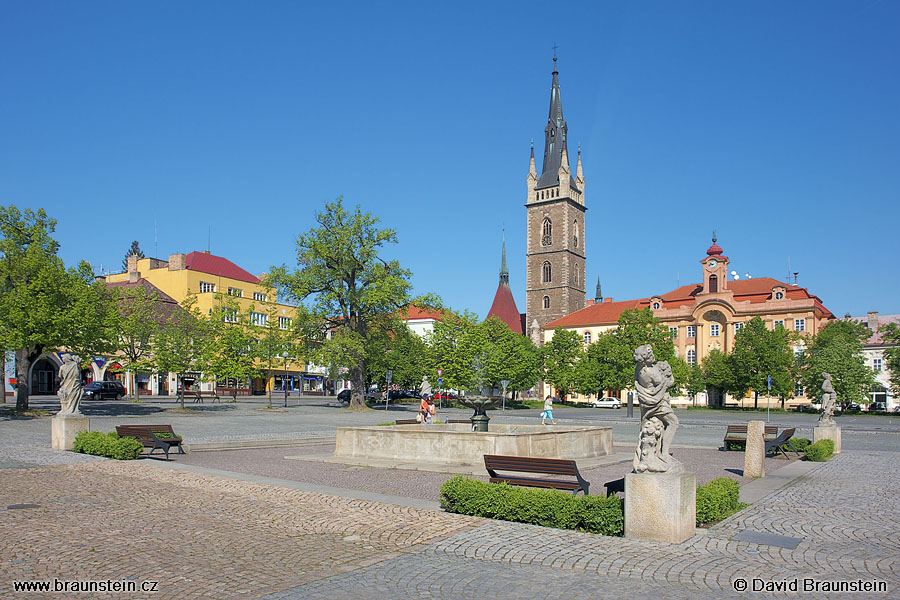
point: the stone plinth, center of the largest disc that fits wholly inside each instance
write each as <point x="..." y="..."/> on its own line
<point x="828" y="432"/>
<point x="755" y="450"/>
<point x="64" y="428"/>
<point x="660" y="507"/>
<point x="457" y="444"/>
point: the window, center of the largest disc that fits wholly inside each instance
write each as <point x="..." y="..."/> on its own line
<point x="714" y="329"/>
<point x="876" y="365"/>
<point x="236" y="292"/>
<point x="207" y="288"/>
<point x="799" y="351"/>
<point x="713" y="284"/>
<point x="575" y="236"/>
<point x="284" y="322"/>
<point x="691" y="356"/>
<point x="575" y="275"/>
<point x="259" y="319"/>
<point x="799" y="390"/>
<point x="547" y="233"/>
<point x="259" y="296"/>
<point x="656" y="306"/>
<point x="229" y="315"/>
<point x="546" y="301"/>
<point x="547" y="273"/>
<point x="799" y="324"/>
<point x="738" y="327"/>
<point x="779" y="295"/>
<point x="692" y="331"/>
<point x="674" y="332"/>
<point x="587" y="338"/>
<point x="779" y="323"/>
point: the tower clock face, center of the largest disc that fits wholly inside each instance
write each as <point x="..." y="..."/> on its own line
<point x="712" y="263"/>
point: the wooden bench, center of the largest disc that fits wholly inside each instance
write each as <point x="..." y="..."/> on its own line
<point x="468" y="421"/>
<point x="738" y="433"/>
<point x="783" y="439"/>
<point x="152" y="436"/>
<point x="406" y="422"/>
<point x="200" y="395"/>
<point x="547" y="466"/>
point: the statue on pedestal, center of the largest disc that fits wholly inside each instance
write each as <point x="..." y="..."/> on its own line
<point x="425" y="387"/>
<point x="652" y="381"/>
<point x="70" y="386"/>
<point x="829" y="401"/>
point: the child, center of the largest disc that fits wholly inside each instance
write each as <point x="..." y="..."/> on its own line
<point x="548" y="411"/>
<point x="431" y="410"/>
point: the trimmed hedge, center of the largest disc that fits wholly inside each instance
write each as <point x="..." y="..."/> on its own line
<point x="800" y="444"/>
<point x="717" y="500"/>
<point x="107" y="444"/>
<point x="548" y="508"/>
<point x="820" y="451"/>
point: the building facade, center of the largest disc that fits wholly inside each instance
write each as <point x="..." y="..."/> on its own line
<point x="706" y="316"/>
<point x="555" y="211"/>
<point x="873" y="351"/>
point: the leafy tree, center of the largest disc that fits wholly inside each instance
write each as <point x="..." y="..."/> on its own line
<point x="507" y="356"/>
<point x="355" y="292"/>
<point x="758" y="353"/>
<point x="450" y="349"/>
<point x="596" y="372"/>
<point x="232" y="349"/>
<point x="637" y="327"/>
<point x="272" y="345"/>
<point x="560" y="355"/>
<point x="717" y="371"/>
<point x="890" y="334"/>
<point x="695" y="382"/>
<point x="181" y="342"/>
<point x="838" y="349"/>
<point x="43" y="305"/>
<point x="401" y="351"/>
<point x="140" y="314"/>
<point x="135" y="250"/>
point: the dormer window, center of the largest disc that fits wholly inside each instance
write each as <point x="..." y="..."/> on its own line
<point x="656" y="306"/>
<point x="779" y="295"/>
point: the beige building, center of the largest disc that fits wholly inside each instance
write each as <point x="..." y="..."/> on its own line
<point x="706" y="316"/>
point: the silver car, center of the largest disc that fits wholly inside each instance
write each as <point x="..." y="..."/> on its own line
<point x="606" y="403"/>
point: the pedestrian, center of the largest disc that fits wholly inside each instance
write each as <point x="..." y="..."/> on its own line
<point x="548" y="411"/>
<point x="424" y="412"/>
<point x="432" y="410"/>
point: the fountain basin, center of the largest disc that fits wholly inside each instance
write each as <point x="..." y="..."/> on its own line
<point x="457" y="444"/>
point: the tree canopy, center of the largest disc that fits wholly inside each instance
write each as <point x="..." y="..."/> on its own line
<point x="890" y="334"/>
<point x="837" y="349"/>
<point x="758" y="353"/>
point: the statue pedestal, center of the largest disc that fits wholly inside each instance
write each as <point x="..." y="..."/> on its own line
<point x="64" y="428"/>
<point x="660" y="507"/>
<point x="828" y="432"/>
<point x="755" y="450"/>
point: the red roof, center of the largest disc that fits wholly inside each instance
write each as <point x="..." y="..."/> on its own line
<point x="217" y="265"/>
<point x="714" y="250"/>
<point x="414" y="312"/>
<point x="504" y="308"/>
<point x="753" y="290"/>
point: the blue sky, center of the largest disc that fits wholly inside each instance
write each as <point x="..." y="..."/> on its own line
<point x="774" y="123"/>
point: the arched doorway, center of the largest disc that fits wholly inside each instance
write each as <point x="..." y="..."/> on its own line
<point x="43" y="376"/>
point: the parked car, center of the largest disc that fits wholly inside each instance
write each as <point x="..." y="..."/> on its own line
<point x="98" y="390"/>
<point x="878" y="407"/>
<point x="606" y="403"/>
<point x="402" y="394"/>
<point x="344" y="396"/>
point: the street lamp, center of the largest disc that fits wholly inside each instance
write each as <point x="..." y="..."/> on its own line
<point x="284" y="378"/>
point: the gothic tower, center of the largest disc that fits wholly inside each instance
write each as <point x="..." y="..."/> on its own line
<point x="555" y="253"/>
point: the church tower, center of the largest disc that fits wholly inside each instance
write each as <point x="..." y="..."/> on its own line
<point x="555" y="252"/>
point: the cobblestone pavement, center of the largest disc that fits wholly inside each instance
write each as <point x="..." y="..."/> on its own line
<point x="209" y="537"/>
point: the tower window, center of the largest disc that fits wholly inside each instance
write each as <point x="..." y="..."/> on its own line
<point x="713" y="284"/>
<point x="575" y="236"/>
<point x="547" y="273"/>
<point x="547" y="233"/>
<point x="546" y="301"/>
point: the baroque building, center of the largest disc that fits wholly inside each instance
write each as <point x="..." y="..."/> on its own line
<point x="555" y="209"/>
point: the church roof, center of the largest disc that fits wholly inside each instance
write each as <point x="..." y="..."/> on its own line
<point x="217" y="265"/>
<point x="755" y="290"/>
<point x="554" y="139"/>
<point x="504" y="308"/>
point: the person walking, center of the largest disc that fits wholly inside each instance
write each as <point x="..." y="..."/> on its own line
<point x="548" y="411"/>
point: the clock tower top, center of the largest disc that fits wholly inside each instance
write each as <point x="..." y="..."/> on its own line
<point x="715" y="269"/>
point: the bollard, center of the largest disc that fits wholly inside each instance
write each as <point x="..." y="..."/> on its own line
<point x="630" y="405"/>
<point x="755" y="450"/>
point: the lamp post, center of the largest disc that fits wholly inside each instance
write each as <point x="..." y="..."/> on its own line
<point x="504" y="383"/>
<point x="387" y="377"/>
<point x="284" y="356"/>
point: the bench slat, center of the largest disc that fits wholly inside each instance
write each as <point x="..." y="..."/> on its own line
<point x="525" y="464"/>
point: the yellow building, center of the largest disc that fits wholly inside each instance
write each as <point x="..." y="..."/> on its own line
<point x="208" y="277"/>
<point x="706" y="316"/>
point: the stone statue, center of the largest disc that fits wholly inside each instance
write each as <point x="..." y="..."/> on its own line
<point x="829" y="400"/>
<point x="652" y="381"/>
<point x="70" y="386"/>
<point x="425" y="388"/>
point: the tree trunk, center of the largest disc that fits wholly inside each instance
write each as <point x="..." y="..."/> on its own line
<point x="24" y="358"/>
<point x="181" y="389"/>
<point x="755" y="399"/>
<point x="270" y="383"/>
<point x="357" y="388"/>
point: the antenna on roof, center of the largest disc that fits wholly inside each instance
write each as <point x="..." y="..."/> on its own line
<point x="795" y="277"/>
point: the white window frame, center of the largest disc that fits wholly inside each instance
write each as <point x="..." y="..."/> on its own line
<point x="800" y="325"/>
<point x="692" y="331"/>
<point x="236" y="292"/>
<point x="713" y="330"/>
<point x="284" y="322"/>
<point x="777" y="322"/>
<point x="229" y="315"/>
<point x="738" y="327"/>
<point x="207" y="287"/>
<point x="259" y="319"/>
<point x="673" y="331"/>
<point x="259" y="296"/>
<point x="587" y="338"/>
<point x="691" y="356"/>
<point x="876" y="365"/>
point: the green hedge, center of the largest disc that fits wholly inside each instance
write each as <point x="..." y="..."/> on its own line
<point x="717" y="500"/>
<point x="107" y="444"/>
<point x="548" y="508"/>
<point x="800" y="444"/>
<point x="820" y="451"/>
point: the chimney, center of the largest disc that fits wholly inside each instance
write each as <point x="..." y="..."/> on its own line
<point x="607" y="300"/>
<point x="133" y="276"/>
<point x="589" y="302"/>
<point x="177" y="262"/>
<point x="873" y="320"/>
<point x="132" y="264"/>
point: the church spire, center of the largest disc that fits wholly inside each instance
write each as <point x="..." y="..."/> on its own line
<point x="504" y="272"/>
<point x="598" y="295"/>
<point x="554" y="136"/>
